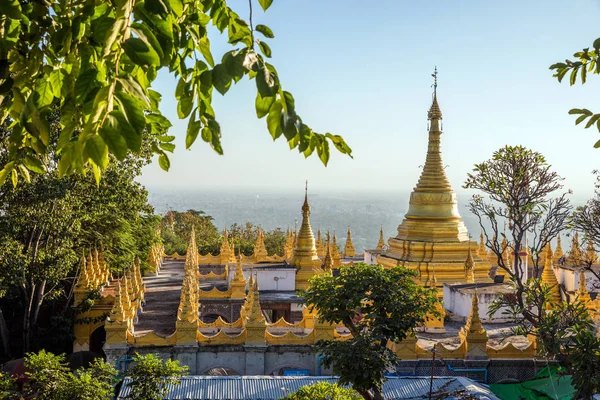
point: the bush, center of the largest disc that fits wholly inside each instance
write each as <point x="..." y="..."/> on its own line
<point x="324" y="391"/>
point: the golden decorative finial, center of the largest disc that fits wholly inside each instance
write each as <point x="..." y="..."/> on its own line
<point x="558" y="253"/>
<point x="482" y="250"/>
<point x="583" y="294"/>
<point x="434" y="112"/>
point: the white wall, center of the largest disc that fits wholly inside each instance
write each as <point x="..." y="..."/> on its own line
<point x="460" y="304"/>
<point x="571" y="280"/>
<point x="273" y="279"/>
<point x="370" y="258"/>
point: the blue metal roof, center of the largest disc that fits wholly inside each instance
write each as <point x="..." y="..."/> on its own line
<point x="276" y="387"/>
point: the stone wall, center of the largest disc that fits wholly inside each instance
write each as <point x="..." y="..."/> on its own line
<point x="272" y="360"/>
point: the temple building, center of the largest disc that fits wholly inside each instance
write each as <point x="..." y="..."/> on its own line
<point x="432" y="239"/>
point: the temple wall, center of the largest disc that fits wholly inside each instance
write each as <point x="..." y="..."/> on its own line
<point x="570" y="279"/>
<point x="459" y="304"/>
<point x="266" y="360"/>
<point x="274" y="279"/>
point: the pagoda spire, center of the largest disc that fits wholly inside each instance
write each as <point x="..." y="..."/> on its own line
<point x="433" y="177"/>
<point x="305" y="256"/>
<point x="349" y="246"/>
<point x="549" y="278"/>
<point x="320" y="246"/>
<point x="381" y="242"/>
<point x="328" y="260"/>
<point x="582" y="294"/>
<point x="558" y="253"/>
<point x="470" y="267"/>
<point x="482" y="250"/>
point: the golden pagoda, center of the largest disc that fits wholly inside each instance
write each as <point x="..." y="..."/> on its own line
<point x="432" y="234"/>
<point x="549" y="278"/>
<point x="381" y="242"/>
<point x="575" y="255"/>
<point x="305" y="257"/>
<point x="349" y="246"/>
<point x="320" y="246"/>
<point x="558" y="253"/>
<point x="328" y="260"/>
<point x="337" y="258"/>
<point x="481" y="249"/>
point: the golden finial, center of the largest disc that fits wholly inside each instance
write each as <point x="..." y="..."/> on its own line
<point x="549" y="278"/>
<point x="305" y="206"/>
<point x="349" y="250"/>
<point x="328" y="260"/>
<point x="434" y="111"/>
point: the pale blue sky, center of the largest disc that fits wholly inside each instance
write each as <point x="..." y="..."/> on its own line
<point x="362" y="69"/>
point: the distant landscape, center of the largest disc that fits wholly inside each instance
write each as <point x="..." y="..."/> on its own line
<point x="365" y="213"/>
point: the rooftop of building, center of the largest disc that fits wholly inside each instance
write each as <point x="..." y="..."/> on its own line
<point x="275" y="387"/>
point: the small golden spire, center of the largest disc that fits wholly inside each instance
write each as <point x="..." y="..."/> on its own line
<point x="349" y="246"/>
<point x="549" y="278"/>
<point x="473" y="329"/>
<point x="381" y="242"/>
<point x="239" y="272"/>
<point x="305" y="251"/>
<point x="575" y="255"/>
<point x="482" y="250"/>
<point x="582" y="293"/>
<point x="320" y="246"/>
<point x="256" y="315"/>
<point x="558" y="253"/>
<point x="337" y="259"/>
<point x="591" y="257"/>
<point x="328" y="260"/>
<point x="117" y="313"/>
<point x="470" y="267"/>
<point x="434" y="112"/>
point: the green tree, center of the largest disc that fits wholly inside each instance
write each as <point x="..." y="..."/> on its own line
<point x="177" y="226"/>
<point x="98" y="59"/>
<point x="51" y="379"/>
<point x="587" y="62"/>
<point x="48" y="223"/>
<point x="150" y="377"/>
<point x="524" y="193"/>
<point x="275" y="241"/>
<point x="323" y="391"/>
<point x="379" y="306"/>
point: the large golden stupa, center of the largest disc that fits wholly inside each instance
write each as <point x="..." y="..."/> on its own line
<point x="433" y="239"/>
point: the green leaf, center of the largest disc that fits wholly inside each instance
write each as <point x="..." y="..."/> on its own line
<point x="164" y="162"/>
<point x="145" y="33"/>
<point x="25" y="173"/>
<point x="274" y="120"/>
<point x="575" y="111"/>
<point x="56" y="79"/>
<point x="265" y="83"/>
<point x="15" y="177"/>
<point x="206" y="134"/>
<point x="45" y="93"/>
<point x="97" y="173"/>
<point x="265" y="49"/>
<point x="132" y="137"/>
<point x="263" y="105"/>
<point x="177" y="7"/>
<point x="592" y="120"/>
<point x="170" y="147"/>
<point x="192" y="130"/>
<point x="323" y="152"/>
<point x="340" y="144"/>
<point x="5" y="172"/>
<point x="85" y="83"/>
<point x="205" y="50"/>
<point x="265" y="4"/>
<point x="265" y="30"/>
<point x="184" y="106"/>
<point x="115" y="141"/>
<point x="596" y="146"/>
<point x="596" y="45"/>
<point x="221" y="79"/>
<point x="33" y="164"/>
<point x="141" y="53"/>
<point x="10" y="8"/>
<point x="133" y="111"/>
<point x="97" y="150"/>
<point x="573" y="77"/>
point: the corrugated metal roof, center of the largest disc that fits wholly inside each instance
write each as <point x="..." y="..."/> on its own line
<point x="276" y="387"/>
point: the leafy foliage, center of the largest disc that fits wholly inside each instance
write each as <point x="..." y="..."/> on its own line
<point x="323" y="391"/>
<point x="587" y="62"/>
<point x="150" y="377"/>
<point x="379" y="306"/>
<point x="177" y="226"/>
<point x="51" y="379"/>
<point x="47" y="224"/>
<point x="98" y="59"/>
